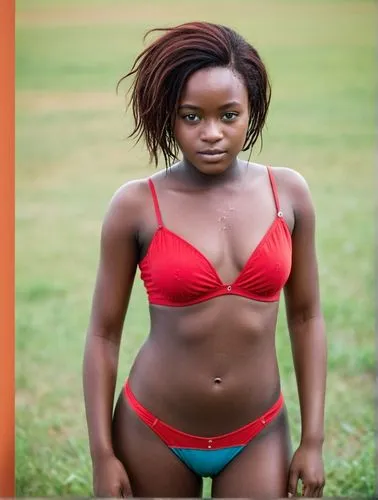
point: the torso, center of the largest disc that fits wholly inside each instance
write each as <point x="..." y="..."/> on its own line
<point x="211" y="367"/>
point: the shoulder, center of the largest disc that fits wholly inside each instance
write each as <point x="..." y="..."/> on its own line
<point x="286" y="179"/>
<point x="127" y="204"/>
<point x="290" y="180"/>
<point x="293" y="186"/>
<point x="131" y="195"/>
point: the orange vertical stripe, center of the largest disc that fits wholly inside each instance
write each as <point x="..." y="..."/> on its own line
<point x="7" y="386"/>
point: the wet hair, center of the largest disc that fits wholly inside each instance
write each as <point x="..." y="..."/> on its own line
<point x="162" y="69"/>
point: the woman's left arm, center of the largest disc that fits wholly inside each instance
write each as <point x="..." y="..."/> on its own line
<point x="308" y="343"/>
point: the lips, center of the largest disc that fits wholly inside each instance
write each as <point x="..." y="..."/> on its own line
<point x="212" y="155"/>
<point x="212" y="152"/>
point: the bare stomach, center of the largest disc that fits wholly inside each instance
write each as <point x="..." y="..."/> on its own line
<point x="210" y="368"/>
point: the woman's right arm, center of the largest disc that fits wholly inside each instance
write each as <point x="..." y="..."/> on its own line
<point x="115" y="277"/>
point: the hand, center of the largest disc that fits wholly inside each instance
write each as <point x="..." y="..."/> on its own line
<point x="307" y="465"/>
<point x="110" y="478"/>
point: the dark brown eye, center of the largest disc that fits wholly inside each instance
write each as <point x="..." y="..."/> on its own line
<point x="191" y="117"/>
<point x="230" y="116"/>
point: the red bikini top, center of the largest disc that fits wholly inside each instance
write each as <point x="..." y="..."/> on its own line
<point x="175" y="273"/>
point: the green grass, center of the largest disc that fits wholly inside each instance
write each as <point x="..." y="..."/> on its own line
<point x="71" y="156"/>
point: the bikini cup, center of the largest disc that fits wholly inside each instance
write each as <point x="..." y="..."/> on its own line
<point x="175" y="273"/>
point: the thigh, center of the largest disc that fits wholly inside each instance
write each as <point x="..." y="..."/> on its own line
<point x="261" y="469"/>
<point x="153" y="469"/>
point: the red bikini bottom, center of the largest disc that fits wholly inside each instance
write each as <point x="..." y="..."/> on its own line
<point x="206" y="456"/>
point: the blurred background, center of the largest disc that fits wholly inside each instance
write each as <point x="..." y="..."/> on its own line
<point x="72" y="153"/>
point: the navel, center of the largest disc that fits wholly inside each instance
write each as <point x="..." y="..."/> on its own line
<point x="217" y="380"/>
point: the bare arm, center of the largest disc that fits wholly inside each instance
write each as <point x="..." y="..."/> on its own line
<point x="307" y="333"/>
<point x="115" y="277"/>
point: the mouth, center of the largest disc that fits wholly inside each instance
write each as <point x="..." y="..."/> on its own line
<point x="212" y="155"/>
<point x="212" y="152"/>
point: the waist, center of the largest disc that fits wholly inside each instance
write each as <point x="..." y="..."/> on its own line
<point x="177" y="437"/>
<point x="202" y="401"/>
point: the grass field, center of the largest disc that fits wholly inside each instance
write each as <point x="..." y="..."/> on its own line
<point x="71" y="155"/>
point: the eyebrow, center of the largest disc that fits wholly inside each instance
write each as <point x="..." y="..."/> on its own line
<point x="197" y="108"/>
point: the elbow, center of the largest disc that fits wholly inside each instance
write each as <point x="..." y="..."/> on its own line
<point x="105" y="329"/>
<point x="303" y="315"/>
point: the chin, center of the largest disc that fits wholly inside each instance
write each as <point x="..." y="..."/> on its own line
<point x="212" y="169"/>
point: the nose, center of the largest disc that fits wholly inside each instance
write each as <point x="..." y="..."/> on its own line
<point x="211" y="131"/>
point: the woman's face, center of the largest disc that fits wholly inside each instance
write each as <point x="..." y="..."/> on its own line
<point x="212" y="119"/>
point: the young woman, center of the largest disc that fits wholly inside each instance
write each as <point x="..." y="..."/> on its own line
<point x="217" y="240"/>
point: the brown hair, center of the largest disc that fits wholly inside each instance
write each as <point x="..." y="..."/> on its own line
<point x="163" y="68"/>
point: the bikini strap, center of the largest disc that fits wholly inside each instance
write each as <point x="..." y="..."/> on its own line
<point x="274" y="190"/>
<point x="156" y="203"/>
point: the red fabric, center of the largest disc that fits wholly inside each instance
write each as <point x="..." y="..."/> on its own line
<point x="178" y="439"/>
<point x="175" y="273"/>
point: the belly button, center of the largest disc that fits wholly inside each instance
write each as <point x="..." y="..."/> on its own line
<point x="217" y="380"/>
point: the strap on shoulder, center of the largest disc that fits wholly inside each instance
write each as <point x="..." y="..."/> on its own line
<point x="156" y="203"/>
<point x="274" y="190"/>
